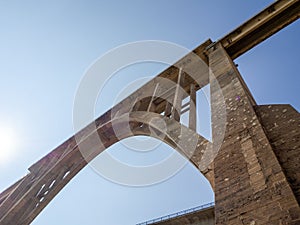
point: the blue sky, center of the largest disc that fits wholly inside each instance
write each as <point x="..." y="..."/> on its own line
<point x="45" y="49"/>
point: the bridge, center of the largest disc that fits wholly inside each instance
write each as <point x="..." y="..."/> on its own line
<point x="252" y="162"/>
<point x="203" y="213"/>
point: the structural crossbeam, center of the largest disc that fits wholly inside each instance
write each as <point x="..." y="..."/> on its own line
<point x="24" y="200"/>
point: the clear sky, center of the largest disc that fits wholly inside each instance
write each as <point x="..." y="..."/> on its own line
<point x="45" y="49"/>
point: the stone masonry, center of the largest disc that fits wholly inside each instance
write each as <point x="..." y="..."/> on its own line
<point x="251" y="186"/>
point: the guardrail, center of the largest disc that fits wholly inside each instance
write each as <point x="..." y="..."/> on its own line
<point x="183" y="212"/>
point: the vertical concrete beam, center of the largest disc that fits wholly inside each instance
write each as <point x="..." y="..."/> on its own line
<point x="250" y="186"/>
<point x="177" y="102"/>
<point x="192" y="114"/>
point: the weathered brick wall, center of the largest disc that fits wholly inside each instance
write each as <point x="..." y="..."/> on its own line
<point x="250" y="186"/>
<point x="203" y="217"/>
<point x="282" y="126"/>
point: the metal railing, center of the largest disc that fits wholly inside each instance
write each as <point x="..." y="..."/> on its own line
<point x="183" y="212"/>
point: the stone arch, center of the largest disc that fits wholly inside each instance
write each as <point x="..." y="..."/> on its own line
<point x="194" y="147"/>
<point x="50" y="174"/>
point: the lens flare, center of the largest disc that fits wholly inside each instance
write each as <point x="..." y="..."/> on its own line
<point x="7" y="143"/>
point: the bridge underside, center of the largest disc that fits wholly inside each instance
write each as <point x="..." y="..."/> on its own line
<point x="281" y="124"/>
<point x="254" y="173"/>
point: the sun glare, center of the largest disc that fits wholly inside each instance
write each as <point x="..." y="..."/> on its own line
<point x="7" y="144"/>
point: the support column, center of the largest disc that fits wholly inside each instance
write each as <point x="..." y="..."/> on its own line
<point x="193" y="114"/>
<point x="177" y="102"/>
<point x="250" y="186"/>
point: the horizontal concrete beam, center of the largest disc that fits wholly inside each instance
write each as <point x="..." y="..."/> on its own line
<point x="269" y="21"/>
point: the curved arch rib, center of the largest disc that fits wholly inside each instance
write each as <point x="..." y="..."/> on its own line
<point x="49" y="175"/>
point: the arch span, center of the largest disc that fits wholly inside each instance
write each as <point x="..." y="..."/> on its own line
<point x="50" y="174"/>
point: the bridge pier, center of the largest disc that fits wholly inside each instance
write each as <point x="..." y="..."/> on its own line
<point x="250" y="185"/>
<point x="255" y="174"/>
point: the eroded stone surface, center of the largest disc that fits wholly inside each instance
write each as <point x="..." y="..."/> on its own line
<point x="282" y="126"/>
<point x="250" y="184"/>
